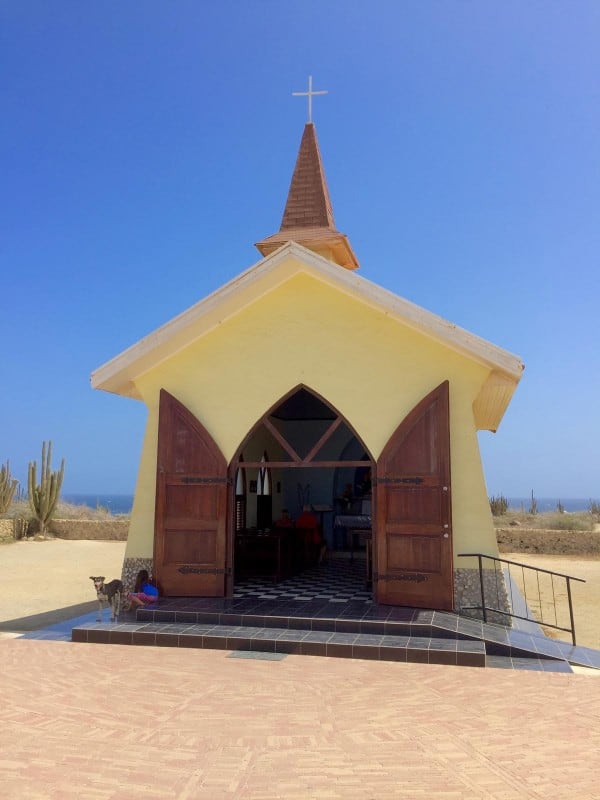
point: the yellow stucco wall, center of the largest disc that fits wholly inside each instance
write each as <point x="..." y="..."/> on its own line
<point x="370" y="367"/>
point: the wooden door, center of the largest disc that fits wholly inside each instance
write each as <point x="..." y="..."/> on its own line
<point x="191" y="506"/>
<point x="414" y="564"/>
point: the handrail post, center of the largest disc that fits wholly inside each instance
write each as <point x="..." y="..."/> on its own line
<point x="481" y="588"/>
<point x="571" y="611"/>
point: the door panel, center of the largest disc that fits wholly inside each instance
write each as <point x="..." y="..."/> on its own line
<point x="406" y="505"/>
<point x="412" y="552"/>
<point x="192" y="501"/>
<point x="186" y="545"/>
<point x="191" y="506"/>
<point x="413" y="521"/>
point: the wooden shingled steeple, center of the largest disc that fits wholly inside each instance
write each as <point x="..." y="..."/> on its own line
<point x="308" y="215"/>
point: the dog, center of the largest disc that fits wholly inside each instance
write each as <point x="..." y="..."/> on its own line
<point x="109" y="594"/>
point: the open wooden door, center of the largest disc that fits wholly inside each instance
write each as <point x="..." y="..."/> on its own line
<point x="191" y="506"/>
<point x="413" y="538"/>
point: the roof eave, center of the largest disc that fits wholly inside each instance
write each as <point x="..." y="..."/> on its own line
<point x="318" y="242"/>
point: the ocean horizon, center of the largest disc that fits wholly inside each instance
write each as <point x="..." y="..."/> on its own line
<point x="550" y="503"/>
<point x="115" y="503"/>
<point x="123" y="503"/>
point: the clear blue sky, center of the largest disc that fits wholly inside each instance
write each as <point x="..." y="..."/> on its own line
<point x="147" y="145"/>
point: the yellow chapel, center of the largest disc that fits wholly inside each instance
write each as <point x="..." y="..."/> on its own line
<point x="301" y="386"/>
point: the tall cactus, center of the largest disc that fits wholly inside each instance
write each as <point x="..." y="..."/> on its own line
<point x="43" y="497"/>
<point x="8" y="485"/>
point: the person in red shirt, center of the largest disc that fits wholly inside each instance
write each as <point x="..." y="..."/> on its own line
<point x="309" y="522"/>
<point x="284" y="521"/>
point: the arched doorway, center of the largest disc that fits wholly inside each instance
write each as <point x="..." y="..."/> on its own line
<point x="301" y="448"/>
<point x="310" y="453"/>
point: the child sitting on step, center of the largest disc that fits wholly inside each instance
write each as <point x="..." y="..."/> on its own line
<point x="145" y="592"/>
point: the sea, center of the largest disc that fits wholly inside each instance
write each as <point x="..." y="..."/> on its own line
<point x="115" y="503"/>
<point x="550" y="503"/>
<point x="122" y="503"/>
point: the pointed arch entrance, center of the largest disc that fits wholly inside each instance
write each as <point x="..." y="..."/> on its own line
<point x="309" y="450"/>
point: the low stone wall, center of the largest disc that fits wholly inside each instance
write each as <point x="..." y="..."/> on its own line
<point x="109" y="530"/>
<point x="114" y="530"/>
<point x="560" y="543"/>
<point x="6" y="529"/>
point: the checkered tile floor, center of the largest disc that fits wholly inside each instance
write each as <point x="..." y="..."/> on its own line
<point x="337" y="580"/>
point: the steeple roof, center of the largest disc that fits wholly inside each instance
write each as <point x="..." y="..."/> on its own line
<point x="308" y="204"/>
<point x="308" y="214"/>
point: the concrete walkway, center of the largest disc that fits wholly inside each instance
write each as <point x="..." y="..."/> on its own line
<point x="107" y="722"/>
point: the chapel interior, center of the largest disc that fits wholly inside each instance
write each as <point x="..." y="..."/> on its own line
<point x="301" y="465"/>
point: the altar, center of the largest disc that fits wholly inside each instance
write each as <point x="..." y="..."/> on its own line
<point x="356" y="527"/>
<point x="351" y="526"/>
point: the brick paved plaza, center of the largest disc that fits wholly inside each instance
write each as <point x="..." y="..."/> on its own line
<point x="110" y="722"/>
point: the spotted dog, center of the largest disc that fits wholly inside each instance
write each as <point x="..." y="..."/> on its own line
<point x="109" y="594"/>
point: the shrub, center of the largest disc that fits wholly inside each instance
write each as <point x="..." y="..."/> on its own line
<point x="567" y="522"/>
<point x="21" y="508"/>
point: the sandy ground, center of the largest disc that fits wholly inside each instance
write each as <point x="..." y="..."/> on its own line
<point x="585" y="596"/>
<point x="53" y="577"/>
<point x="45" y="576"/>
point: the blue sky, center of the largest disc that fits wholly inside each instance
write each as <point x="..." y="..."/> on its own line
<point x="147" y="145"/>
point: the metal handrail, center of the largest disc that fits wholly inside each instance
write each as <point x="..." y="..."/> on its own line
<point x="486" y="608"/>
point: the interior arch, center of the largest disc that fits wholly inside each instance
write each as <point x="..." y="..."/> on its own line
<point x="313" y="454"/>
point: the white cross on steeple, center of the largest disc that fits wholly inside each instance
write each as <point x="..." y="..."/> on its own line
<point x="310" y="94"/>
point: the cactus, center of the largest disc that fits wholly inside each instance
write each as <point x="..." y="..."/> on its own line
<point x="43" y="497"/>
<point x="20" y="527"/>
<point x="8" y="485"/>
<point x="533" y="506"/>
<point x="498" y="505"/>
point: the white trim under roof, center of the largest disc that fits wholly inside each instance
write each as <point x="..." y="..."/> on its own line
<point x="118" y="374"/>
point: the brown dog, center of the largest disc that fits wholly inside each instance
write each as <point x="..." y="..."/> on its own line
<point x="109" y="594"/>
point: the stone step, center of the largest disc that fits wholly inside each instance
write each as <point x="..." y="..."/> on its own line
<point x="336" y="644"/>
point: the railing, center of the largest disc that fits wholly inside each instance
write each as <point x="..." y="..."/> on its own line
<point x="534" y="595"/>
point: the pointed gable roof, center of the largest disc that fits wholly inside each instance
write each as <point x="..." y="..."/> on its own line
<point x="308" y="214"/>
<point x="119" y="374"/>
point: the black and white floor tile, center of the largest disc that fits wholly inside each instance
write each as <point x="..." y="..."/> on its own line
<point x="338" y="580"/>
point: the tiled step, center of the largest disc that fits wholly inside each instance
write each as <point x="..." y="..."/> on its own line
<point x="451" y="628"/>
<point x="442" y="626"/>
<point x="382" y="647"/>
<point x="437" y="632"/>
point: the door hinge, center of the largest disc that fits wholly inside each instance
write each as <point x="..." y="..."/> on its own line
<point x="187" y="569"/>
<point x="212" y="480"/>
<point x="414" y="481"/>
<point x="412" y="577"/>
